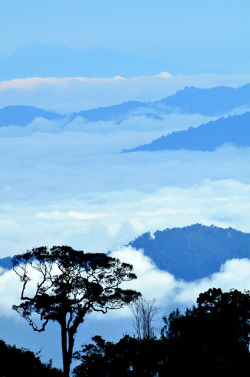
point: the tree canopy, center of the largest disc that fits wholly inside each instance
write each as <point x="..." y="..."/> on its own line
<point x="209" y="339"/>
<point x="23" y="363"/>
<point x="64" y="285"/>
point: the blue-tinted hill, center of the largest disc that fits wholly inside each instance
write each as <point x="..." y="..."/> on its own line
<point x="195" y="251"/>
<point x="22" y="115"/>
<point x="39" y="60"/>
<point x="115" y="113"/>
<point x="189" y="253"/>
<point x="207" y="137"/>
<point x="213" y="101"/>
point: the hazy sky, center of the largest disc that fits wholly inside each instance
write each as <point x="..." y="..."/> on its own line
<point x="211" y="33"/>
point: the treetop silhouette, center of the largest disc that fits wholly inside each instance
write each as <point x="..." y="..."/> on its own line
<point x="67" y="284"/>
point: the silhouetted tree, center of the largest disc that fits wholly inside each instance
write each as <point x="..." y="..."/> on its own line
<point x="23" y="363"/>
<point x="68" y="284"/>
<point x="129" y="357"/>
<point x="144" y="312"/>
<point x="212" y="338"/>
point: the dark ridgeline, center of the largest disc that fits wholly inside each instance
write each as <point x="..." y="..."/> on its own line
<point x="189" y="253"/>
<point x="195" y="251"/>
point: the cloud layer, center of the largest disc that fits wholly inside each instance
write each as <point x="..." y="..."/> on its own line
<point x="75" y="94"/>
<point x="168" y="292"/>
<point x="66" y="184"/>
<point x="69" y="184"/>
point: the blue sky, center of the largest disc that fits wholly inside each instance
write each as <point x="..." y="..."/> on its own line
<point x="212" y="33"/>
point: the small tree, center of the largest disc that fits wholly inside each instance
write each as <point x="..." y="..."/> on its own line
<point x="144" y="312"/>
<point x="69" y="285"/>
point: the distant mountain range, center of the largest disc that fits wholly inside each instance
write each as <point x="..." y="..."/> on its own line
<point x="215" y="101"/>
<point x="212" y="102"/>
<point x="207" y="137"/>
<point x="189" y="253"/>
<point x="39" y="60"/>
<point x="195" y="251"/>
<point x="23" y="115"/>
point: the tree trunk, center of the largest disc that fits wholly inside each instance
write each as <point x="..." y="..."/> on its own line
<point x="65" y="353"/>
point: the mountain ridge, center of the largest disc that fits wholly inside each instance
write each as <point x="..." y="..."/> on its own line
<point x="233" y="98"/>
<point x="193" y="252"/>
<point x="233" y="130"/>
<point x="40" y="60"/>
<point x="19" y="115"/>
<point x="189" y="253"/>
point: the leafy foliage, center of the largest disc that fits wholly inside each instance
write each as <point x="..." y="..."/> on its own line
<point x="129" y="357"/>
<point x="210" y="339"/>
<point x="67" y="285"/>
<point x="23" y="363"/>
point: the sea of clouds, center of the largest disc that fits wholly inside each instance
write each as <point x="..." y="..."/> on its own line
<point x="69" y="184"/>
<point x="75" y="94"/>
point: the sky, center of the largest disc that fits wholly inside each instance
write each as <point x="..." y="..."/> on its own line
<point x="208" y="34"/>
<point x="68" y="182"/>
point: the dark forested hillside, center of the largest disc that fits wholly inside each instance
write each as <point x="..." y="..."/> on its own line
<point x="195" y="251"/>
<point x="189" y="253"/>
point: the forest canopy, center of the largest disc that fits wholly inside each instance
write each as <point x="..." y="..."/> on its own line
<point x="209" y="339"/>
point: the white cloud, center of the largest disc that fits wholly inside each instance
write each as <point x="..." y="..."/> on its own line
<point x="153" y="283"/>
<point x="75" y="94"/>
<point x="56" y="215"/>
<point x="234" y="274"/>
<point x="65" y="187"/>
<point x="117" y="217"/>
<point x="9" y="292"/>
<point x="170" y="293"/>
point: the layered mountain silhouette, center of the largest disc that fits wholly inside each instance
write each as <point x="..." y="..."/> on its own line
<point x="39" y="60"/>
<point x="23" y="115"/>
<point x="215" y="101"/>
<point x="195" y="251"/>
<point x="233" y="130"/>
<point x="212" y="102"/>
